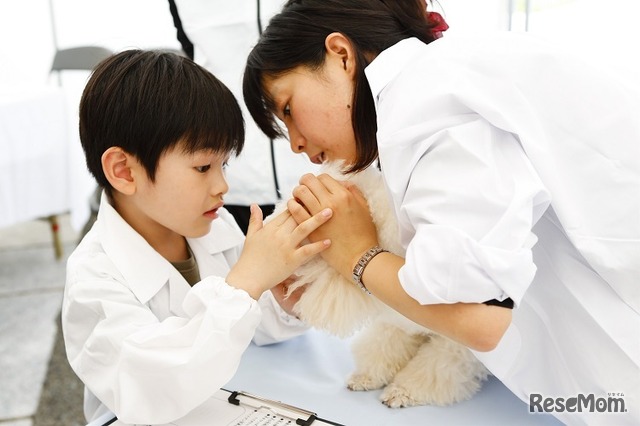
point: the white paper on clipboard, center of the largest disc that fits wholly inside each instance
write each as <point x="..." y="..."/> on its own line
<point x="251" y="410"/>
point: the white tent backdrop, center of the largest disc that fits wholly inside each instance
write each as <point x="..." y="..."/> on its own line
<point x="605" y="32"/>
<point x="27" y="45"/>
<point x="27" y="37"/>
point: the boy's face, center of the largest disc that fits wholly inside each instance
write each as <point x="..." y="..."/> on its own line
<point x="185" y="197"/>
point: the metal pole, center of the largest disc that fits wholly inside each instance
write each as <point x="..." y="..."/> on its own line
<point x="53" y="25"/>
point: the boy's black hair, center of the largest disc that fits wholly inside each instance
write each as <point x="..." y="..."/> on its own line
<point x="150" y="101"/>
<point x="296" y="36"/>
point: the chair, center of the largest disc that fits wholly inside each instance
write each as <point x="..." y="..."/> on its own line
<point x="73" y="58"/>
<point x="78" y="58"/>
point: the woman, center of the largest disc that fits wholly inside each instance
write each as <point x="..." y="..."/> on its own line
<point x="514" y="172"/>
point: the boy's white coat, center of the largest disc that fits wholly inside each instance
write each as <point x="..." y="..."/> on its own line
<point x="149" y="347"/>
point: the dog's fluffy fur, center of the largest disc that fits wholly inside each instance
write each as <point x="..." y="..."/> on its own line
<point x="414" y="365"/>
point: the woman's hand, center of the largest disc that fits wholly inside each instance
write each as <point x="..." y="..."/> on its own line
<point x="351" y="229"/>
<point x="272" y="252"/>
<point x="352" y="232"/>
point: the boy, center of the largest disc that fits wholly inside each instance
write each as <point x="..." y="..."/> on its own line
<point x="163" y="295"/>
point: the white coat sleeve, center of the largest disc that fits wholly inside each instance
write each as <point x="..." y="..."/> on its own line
<point x="276" y="325"/>
<point x="467" y="213"/>
<point x="151" y="371"/>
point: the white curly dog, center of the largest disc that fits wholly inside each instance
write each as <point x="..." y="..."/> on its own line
<point x="414" y="365"/>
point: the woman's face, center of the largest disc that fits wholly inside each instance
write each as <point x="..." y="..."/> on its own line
<point x="315" y="106"/>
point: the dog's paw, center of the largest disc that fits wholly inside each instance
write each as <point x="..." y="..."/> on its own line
<point x="395" y="396"/>
<point x="364" y="382"/>
<point x="441" y="373"/>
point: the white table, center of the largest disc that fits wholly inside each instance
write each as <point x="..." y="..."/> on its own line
<point x="42" y="166"/>
<point x="310" y="371"/>
<point x="34" y="141"/>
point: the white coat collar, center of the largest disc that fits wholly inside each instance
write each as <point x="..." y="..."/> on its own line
<point x="145" y="271"/>
<point x="390" y="62"/>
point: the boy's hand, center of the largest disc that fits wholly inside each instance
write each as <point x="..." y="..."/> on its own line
<point x="272" y="252"/>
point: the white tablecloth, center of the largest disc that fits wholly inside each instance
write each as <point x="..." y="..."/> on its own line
<point x="42" y="169"/>
<point x="33" y="155"/>
<point x="310" y="372"/>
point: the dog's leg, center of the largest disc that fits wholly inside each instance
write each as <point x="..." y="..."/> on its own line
<point x="379" y="353"/>
<point x="442" y="372"/>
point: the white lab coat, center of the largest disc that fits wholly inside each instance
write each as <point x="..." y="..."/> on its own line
<point x="223" y="33"/>
<point x="514" y="171"/>
<point x="148" y="346"/>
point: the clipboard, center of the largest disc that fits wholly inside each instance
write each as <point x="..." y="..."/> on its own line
<point x="263" y="411"/>
<point x="237" y="408"/>
<point x="234" y="408"/>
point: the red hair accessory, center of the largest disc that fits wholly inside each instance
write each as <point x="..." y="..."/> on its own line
<point x="438" y="22"/>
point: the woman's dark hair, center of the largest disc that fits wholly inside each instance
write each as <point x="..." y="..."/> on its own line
<point x="148" y="102"/>
<point x="296" y="36"/>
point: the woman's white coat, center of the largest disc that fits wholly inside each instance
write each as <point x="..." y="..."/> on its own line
<point x="514" y="170"/>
